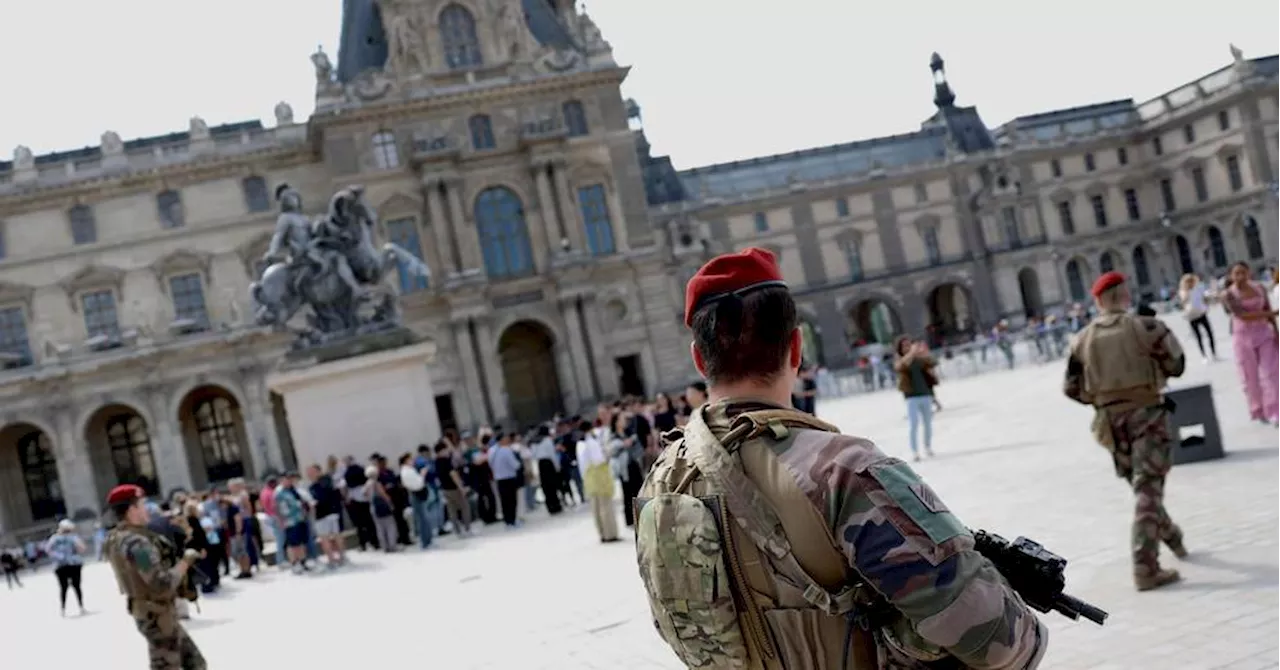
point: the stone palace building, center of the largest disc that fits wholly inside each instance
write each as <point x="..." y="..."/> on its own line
<point x="493" y="140"/>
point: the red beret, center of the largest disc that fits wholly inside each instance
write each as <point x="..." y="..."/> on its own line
<point x="1106" y="281"/>
<point x="125" y="493"/>
<point x="734" y="274"/>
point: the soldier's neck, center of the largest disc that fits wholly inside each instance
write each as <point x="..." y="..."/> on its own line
<point x="778" y="393"/>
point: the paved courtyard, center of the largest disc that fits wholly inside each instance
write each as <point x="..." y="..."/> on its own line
<point x="1013" y="457"/>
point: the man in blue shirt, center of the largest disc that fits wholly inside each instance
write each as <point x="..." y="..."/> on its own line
<point x="505" y="464"/>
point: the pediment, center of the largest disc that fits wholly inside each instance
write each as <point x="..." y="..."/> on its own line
<point x="93" y="276"/>
<point x="1062" y="194"/>
<point x="1096" y="188"/>
<point x="399" y="204"/>
<point x="11" y="292"/>
<point x="1191" y="163"/>
<point x="183" y="261"/>
<point x="1228" y="149"/>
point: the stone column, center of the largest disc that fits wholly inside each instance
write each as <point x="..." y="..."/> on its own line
<point x="173" y="468"/>
<point x="441" y="231"/>
<point x="570" y="221"/>
<point x="616" y="220"/>
<point x="463" y="227"/>
<point x="552" y="227"/>
<point x="578" y="353"/>
<point x="259" y="423"/>
<point x="487" y="345"/>
<point x="466" y="347"/>
<point x="75" y="467"/>
<point x="605" y="377"/>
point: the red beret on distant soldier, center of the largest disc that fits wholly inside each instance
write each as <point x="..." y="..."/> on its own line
<point x="1106" y="281"/>
<point x="729" y="275"/>
<point x="125" y="493"/>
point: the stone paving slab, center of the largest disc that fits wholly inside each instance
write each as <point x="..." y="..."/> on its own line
<point x="1013" y="457"/>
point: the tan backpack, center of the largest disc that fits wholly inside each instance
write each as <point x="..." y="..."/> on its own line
<point x="699" y="591"/>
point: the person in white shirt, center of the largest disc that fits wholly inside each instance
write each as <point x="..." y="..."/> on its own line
<point x="597" y="480"/>
<point x="419" y="497"/>
<point x="1194" y="297"/>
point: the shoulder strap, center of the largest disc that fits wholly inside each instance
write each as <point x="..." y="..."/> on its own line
<point x="716" y="461"/>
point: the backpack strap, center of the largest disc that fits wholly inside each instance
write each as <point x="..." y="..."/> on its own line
<point x="751" y="509"/>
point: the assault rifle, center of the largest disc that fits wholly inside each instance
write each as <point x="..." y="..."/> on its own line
<point x="1036" y="574"/>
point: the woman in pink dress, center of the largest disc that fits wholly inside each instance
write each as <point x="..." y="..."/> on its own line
<point x="1253" y="335"/>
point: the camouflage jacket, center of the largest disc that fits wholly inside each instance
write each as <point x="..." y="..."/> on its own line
<point x="896" y="534"/>
<point x="141" y="567"/>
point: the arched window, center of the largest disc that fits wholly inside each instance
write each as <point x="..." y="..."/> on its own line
<point x="386" y="155"/>
<point x="458" y="35"/>
<point x="216" y="429"/>
<point x="1075" y="280"/>
<point x="504" y="236"/>
<point x="1217" y="249"/>
<point x="575" y="119"/>
<point x="130" y="446"/>
<point x="1106" y="263"/>
<point x="1253" y="238"/>
<point x="40" y="472"/>
<point x="481" y="132"/>
<point x="1140" y="270"/>
<point x="1184" y="255"/>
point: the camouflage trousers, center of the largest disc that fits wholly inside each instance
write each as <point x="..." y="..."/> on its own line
<point x="1144" y="449"/>
<point x="168" y="645"/>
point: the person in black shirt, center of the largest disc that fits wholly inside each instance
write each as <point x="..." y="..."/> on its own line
<point x="9" y="562"/>
<point x="358" y="505"/>
<point x="399" y="498"/>
<point x="452" y="489"/>
<point x="328" y="509"/>
<point x="664" y="414"/>
<point x="808" y="399"/>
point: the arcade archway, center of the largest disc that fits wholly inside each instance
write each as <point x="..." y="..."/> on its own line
<point x="950" y="310"/>
<point x="874" y="321"/>
<point x="30" y="491"/>
<point x="120" y="448"/>
<point x="213" y="433"/>
<point x="1029" y="289"/>
<point x="527" y="354"/>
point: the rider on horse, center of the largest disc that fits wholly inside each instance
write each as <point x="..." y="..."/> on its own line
<point x="308" y="255"/>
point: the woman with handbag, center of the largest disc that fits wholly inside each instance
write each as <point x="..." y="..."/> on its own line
<point x="1194" y="297"/>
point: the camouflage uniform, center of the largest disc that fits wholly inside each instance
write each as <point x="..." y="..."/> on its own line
<point x="150" y="583"/>
<point x="892" y="538"/>
<point x="1135" y="429"/>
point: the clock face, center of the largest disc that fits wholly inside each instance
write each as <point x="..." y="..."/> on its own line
<point x="371" y="85"/>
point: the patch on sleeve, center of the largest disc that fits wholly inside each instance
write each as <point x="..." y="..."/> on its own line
<point x="918" y="501"/>
<point x="140" y="554"/>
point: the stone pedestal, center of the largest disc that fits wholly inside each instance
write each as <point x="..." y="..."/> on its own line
<point x="380" y="401"/>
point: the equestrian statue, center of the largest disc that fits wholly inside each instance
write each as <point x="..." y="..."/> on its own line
<point x="332" y="266"/>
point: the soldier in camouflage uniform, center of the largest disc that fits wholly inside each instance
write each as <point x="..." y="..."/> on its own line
<point x="149" y="583"/>
<point x="1118" y="364"/>
<point x="768" y="540"/>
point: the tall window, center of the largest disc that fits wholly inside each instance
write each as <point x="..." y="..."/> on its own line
<point x="1224" y="120"/>
<point x="1075" y="280"/>
<point x="922" y="193"/>
<point x="1166" y="195"/>
<point x="257" y="198"/>
<point x="404" y="234"/>
<point x="458" y="36"/>
<point x="1122" y="156"/>
<point x="40" y="472"/>
<point x="853" y="256"/>
<point x="1253" y="239"/>
<point x="761" y="221"/>
<point x="594" y="203"/>
<point x="100" y="316"/>
<point x="481" y="132"/>
<point x="1099" y="205"/>
<point x="1202" y="187"/>
<point x="842" y="207"/>
<point x="1217" y="248"/>
<point x="130" y="445"/>
<point x="84" y="229"/>
<point x="932" y="251"/>
<point x="1140" y="270"/>
<point x="1234" y="176"/>
<point x="1131" y="204"/>
<point x="1189" y="133"/>
<point x="1089" y="164"/>
<point x="3" y="251"/>
<point x="169" y="207"/>
<point x="1185" y="261"/>
<point x="13" y="337"/>
<point x="187" y="292"/>
<point x="1157" y="145"/>
<point x="217" y="431"/>
<point x="1065" y="218"/>
<point x="386" y="155"/>
<point x="1011" y="233"/>
<point x="575" y="118"/>
<point x="504" y="235"/>
<point x="1106" y="263"/>
<point x="1055" y="168"/>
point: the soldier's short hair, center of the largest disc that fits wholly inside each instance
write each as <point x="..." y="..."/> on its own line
<point x="748" y="337"/>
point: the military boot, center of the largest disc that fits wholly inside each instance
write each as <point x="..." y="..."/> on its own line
<point x="1175" y="545"/>
<point x="1161" y="577"/>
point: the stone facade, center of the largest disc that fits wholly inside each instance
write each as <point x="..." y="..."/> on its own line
<point x="502" y="151"/>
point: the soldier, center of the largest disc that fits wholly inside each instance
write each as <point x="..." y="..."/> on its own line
<point x="149" y="583"/>
<point x="766" y="539"/>
<point x="1119" y="364"/>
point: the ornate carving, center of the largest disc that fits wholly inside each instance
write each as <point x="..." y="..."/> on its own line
<point x="511" y="30"/>
<point x="180" y="261"/>
<point x="11" y="292"/>
<point x="589" y="33"/>
<point x="23" y="159"/>
<point x="406" y="49"/>
<point x="370" y="85"/>
<point x="112" y="145"/>
<point x="333" y="268"/>
<point x="91" y="277"/>
<point x="199" y="130"/>
<point x="324" y="67"/>
<point x="284" y="114"/>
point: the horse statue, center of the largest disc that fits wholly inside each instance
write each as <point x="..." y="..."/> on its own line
<point x="336" y="270"/>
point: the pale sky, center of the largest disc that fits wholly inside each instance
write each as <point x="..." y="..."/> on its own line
<point x="717" y="80"/>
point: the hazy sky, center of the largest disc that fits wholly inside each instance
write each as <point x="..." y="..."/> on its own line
<point x="717" y="80"/>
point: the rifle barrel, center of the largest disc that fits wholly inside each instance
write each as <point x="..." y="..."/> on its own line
<point x="1084" y="609"/>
